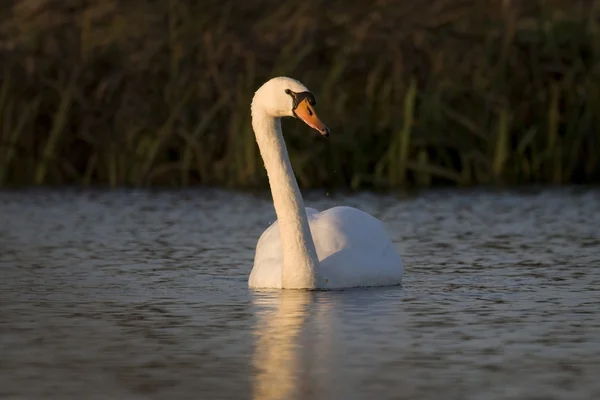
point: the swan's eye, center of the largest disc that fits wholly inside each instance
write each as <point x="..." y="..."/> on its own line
<point x="288" y="91"/>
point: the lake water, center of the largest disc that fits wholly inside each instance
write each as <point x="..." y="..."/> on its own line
<point x="143" y="295"/>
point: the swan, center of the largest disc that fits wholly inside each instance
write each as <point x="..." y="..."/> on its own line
<point x="341" y="247"/>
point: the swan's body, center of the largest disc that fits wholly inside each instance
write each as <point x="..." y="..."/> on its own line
<point x="305" y="249"/>
<point x="352" y="247"/>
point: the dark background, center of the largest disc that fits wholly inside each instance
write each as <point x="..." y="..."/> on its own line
<point x="416" y="92"/>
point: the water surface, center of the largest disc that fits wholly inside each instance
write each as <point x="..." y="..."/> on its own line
<point x="143" y="295"/>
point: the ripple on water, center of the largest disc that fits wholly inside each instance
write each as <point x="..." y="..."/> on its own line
<point x="143" y="294"/>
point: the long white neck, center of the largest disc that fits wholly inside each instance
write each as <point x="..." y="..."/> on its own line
<point x="300" y="260"/>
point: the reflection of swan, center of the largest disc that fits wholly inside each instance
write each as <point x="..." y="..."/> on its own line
<point x="276" y="356"/>
<point x="304" y="249"/>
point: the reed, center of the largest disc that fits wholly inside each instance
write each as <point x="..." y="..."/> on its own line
<point x="421" y="93"/>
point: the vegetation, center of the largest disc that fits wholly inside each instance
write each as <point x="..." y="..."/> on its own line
<point x="420" y="92"/>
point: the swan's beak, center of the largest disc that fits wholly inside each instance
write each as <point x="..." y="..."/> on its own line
<point x="307" y="113"/>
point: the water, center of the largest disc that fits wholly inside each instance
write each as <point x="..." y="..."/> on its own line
<point x="143" y="295"/>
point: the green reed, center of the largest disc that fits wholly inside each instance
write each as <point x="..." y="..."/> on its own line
<point x="158" y="93"/>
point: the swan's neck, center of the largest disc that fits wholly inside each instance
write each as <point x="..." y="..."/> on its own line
<point x="299" y="255"/>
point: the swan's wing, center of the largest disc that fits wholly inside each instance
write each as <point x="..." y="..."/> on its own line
<point x="355" y="249"/>
<point x="266" y="271"/>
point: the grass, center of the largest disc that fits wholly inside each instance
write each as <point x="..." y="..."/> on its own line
<point x="420" y="93"/>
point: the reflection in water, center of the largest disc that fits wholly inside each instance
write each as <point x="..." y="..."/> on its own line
<point x="277" y="353"/>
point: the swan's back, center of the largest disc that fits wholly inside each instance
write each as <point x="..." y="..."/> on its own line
<point x="353" y="247"/>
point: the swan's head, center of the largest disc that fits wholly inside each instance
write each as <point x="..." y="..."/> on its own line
<point x="286" y="97"/>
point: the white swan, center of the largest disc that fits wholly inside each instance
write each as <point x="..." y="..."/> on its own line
<point x="305" y="249"/>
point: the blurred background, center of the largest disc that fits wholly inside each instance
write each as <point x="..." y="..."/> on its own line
<point x="417" y="93"/>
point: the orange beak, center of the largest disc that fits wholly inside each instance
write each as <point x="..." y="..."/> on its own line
<point x="307" y="113"/>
